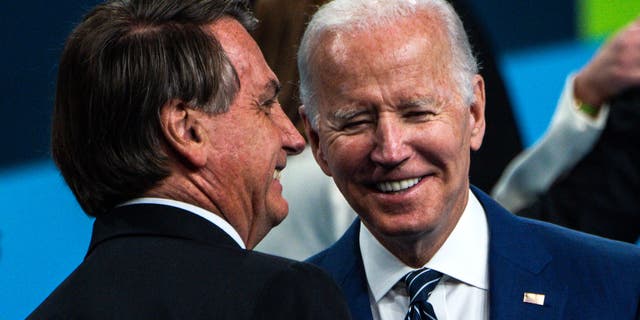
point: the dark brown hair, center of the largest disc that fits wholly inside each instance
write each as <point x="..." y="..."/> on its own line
<point x="120" y="65"/>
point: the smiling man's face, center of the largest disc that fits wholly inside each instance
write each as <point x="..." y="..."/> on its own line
<point x="393" y="130"/>
<point x="249" y="143"/>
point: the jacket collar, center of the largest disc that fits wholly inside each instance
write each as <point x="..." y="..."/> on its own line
<point x="157" y="220"/>
<point x="517" y="261"/>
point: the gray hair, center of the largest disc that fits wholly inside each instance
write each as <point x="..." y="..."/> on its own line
<point x="355" y="15"/>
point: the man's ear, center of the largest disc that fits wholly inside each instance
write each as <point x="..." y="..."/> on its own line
<point x="184" y="132"/>
<point x="314" y="141"/>
<point x="476" y="120"/>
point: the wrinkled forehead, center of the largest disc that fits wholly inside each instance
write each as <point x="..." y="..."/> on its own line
<point x="399" y="52"/>
<point x="362" y="50"/>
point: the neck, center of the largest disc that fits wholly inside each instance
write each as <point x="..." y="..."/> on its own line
<point x="196" y="189"/>
<point x="175" y="188"/>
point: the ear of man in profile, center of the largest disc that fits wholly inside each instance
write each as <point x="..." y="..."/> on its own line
<point x="393" y="119"/>
<point x="168" y="130"/>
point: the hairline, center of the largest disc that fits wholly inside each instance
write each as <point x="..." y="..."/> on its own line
<point x="463" y="65"/>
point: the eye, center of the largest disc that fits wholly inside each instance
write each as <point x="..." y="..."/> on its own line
<point x="418" y="115"/>
<point x="355" y="124"/>
<point x="268" y="105"/>
<point x="352" y="120"/>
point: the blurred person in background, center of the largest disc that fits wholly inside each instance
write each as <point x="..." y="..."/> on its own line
<point x="584" y="173"/>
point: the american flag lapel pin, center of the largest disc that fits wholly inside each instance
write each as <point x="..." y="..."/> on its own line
<point x="533" y="298"/>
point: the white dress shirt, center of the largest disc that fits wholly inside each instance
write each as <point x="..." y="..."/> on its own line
<point x="463" y="292"/>
<point x="212" y="217"/>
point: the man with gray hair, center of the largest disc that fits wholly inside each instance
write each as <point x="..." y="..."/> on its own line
<point x="393" y="106"/>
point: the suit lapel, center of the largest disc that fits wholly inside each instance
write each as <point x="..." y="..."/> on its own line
<point x="517" y="264"/>
<point x="157" y="220"/>
<point x="509" y="283"/>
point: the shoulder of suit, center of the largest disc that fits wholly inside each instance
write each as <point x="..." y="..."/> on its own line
<point x="286" y="275"/>
<point x="572" y="242"/>
<point x="268" y="263"/>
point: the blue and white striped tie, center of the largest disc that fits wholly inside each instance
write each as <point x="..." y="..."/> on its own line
<point x="420" y="283"/>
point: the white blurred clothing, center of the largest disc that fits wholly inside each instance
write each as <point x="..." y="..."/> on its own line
<point x="569" y="137"/>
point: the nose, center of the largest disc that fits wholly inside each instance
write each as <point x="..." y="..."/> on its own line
<point x="390" y="146"/>
<point x="292" y="141"/>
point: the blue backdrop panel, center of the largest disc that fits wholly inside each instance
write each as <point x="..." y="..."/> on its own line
<point x="535" y="78"/>
<point x="43" y="236"/>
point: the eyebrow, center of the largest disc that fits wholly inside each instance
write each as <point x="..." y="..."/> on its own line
<point x="424" y="101"/>
<point x="348" y="113"/>
<point x="353" y="111"/>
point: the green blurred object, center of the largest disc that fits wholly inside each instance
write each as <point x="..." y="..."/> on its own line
<point x="600" y="18"/>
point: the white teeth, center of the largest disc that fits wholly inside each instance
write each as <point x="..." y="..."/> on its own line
<point x="276" y="174"/>
<point x="395" y="186"/>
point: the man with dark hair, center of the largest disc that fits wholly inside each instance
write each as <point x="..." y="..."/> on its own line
<point x="168" y="130"/>
<point x="393" y="107"/>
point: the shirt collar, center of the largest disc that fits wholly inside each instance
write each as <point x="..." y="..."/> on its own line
<point x="463" y="256"/>
<point x="206" y="214"/>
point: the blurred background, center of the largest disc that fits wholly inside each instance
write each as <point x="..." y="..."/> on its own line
<point x="43" y="232"/>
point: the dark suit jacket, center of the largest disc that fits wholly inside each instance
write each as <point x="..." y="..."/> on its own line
<point x="159" y="262"/>
<point x="600" y="194"/>
<point x="582" y="276"/>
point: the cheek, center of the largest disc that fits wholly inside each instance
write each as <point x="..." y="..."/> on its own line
<point x="262" y="135"/>
<point x="442" y="142"/>
<point x="254" y="150"/>
<point x="346" y="154"/>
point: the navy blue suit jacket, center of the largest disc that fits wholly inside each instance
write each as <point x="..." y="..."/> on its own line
<point x="582" y="276"/>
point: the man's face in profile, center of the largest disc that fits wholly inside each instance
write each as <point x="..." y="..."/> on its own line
<point x="250" y="142"/>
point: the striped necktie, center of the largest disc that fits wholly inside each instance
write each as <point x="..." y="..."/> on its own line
<point x="420" y="283"/>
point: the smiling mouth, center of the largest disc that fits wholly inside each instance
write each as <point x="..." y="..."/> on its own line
<point x="397" y="186"/>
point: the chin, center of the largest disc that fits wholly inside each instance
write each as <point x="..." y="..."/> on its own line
<point x="403" y="231"/>
<point x="278" y="220"/>
<point x="278" y="212"/>
<point x="401" y="225"/>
